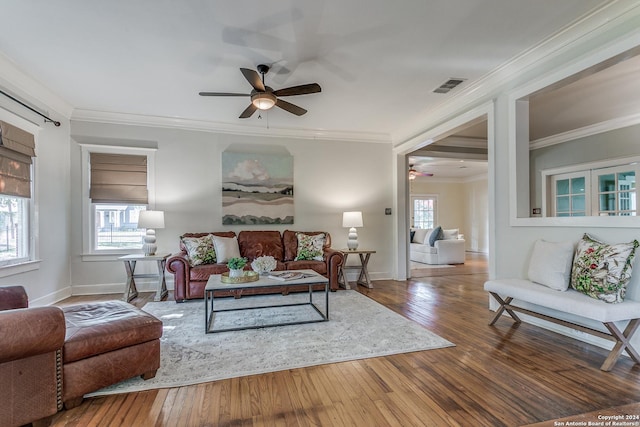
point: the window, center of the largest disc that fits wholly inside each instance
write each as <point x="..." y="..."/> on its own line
<point x="14" y="230"/>
<point x="117" y="187"/>
<point x="599" y="191"/>
<point x="116" y="226"/>
<point x="17" y="150"/>
<point x="570" y="194"/>
<point x="423" y="211"/>
<point x="616" y="191"/>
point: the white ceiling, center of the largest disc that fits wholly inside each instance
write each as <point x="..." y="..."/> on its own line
<point x="377" y="61"/>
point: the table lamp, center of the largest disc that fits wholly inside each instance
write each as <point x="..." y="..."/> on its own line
<point x="352" y="220"/>
<point x="150" y="220"/>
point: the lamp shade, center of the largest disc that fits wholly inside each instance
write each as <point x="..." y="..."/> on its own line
<point x="151" y="219"/>
<point x="352" y="219"/>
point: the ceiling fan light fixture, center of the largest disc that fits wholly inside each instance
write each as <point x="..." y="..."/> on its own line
<point x="263" y="100"/>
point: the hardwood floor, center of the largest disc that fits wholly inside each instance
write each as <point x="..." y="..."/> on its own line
<point x="495" y="376"/>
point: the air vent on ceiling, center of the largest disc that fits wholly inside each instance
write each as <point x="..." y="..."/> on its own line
<point x="450" y="84"/>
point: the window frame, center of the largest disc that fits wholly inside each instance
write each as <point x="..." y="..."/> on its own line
<point x="88" y="212"/>
<point x="32" y="261"/>
<point x="415" y="197"/>
<point x="569" y="176"/>
<point x="591" y="171"/>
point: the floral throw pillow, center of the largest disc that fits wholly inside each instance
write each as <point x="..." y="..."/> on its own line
<point x="602" y="271"/>
<point x="200" y="250"/>
<point x="310" y="247"/>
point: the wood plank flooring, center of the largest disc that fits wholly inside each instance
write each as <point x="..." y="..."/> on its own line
<point x="495" y="376"/>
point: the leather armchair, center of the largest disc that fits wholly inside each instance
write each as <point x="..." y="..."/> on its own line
<point x="30" y="359"/>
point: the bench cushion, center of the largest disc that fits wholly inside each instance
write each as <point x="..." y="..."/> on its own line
<point x="571" y="301"/>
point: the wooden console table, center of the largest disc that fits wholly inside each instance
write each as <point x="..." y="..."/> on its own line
<point x="363" y="277"/>
<point x="130" y="261"/>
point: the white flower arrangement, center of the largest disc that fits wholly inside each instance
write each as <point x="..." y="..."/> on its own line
<point x="264" y="264"/>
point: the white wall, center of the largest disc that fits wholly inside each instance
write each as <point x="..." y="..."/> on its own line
<point x="329" y="177"/>
<point x="511" y="240"/>
<point x="47" y="280"/>
<point x="462" y="205"/>
<point x="476" y="217"/>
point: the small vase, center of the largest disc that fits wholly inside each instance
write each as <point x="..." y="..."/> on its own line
<point x="236" y="273"/>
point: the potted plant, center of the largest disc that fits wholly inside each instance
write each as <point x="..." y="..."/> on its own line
<point x="235" y="266"/>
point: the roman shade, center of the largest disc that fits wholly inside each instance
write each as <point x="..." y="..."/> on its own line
<point x="118" y="178"/>
<point x="17" y="148"/>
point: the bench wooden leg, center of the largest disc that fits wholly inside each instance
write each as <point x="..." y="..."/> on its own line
<point x="622" y="343"/>
<point x="504" y="305"/>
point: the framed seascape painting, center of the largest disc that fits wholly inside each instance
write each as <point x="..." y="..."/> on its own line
<point x="257" y="188"/>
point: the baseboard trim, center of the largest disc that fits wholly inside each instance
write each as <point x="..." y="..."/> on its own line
<point x="117" y="288"/>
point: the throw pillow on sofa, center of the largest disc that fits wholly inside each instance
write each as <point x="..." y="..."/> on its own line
<point x="601" y="270"/>
<point x="436" y="234"/>
<point x="420" y="235"/>
<point x="310" y="247"/>
<point x="200" y="250"/>
<point x="226" y="248"/>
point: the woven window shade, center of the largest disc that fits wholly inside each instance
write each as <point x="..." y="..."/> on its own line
<point x="17" y="147"/>
<point x="118" y="178"/>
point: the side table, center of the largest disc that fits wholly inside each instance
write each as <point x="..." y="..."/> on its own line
<point x="363" y="277"/>
<point x="130" y="261"/>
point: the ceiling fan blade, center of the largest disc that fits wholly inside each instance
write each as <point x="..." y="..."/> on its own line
<point x="287" y="106"/>
<point x="223" y="94"/>
<point x="248" y="112"/>
<point x="253" y="78"/>
<point x="299" y="90"/>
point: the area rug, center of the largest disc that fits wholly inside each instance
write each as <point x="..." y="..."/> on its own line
<point x="358" y="328"/>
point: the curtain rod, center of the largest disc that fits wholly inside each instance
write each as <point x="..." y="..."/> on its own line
<point x="46" y="119"/>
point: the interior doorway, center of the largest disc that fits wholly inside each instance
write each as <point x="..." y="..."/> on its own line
<point x="448" y="186"/>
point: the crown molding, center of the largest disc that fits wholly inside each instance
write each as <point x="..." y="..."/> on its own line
<point x="19" y="83"/>
<point x="85" y="115"/>
<point x="583" y="132"/>
<point x="609" y="17"/>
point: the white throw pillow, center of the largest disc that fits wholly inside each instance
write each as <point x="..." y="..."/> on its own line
<point x="451" y="234"/>
<point x="421" y="234"/>
<point x="550" y="264"/>
<point x="226" y="248"/>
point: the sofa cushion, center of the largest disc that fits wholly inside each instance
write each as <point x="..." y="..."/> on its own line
<point x="418" y="247"/>
<point x="550" y="264"/>
<point x="310" y="247"/>
<point x="203" y="271"/>
<point x="317" y="266"/>
<point x="601" y="270"/>
<point x="290" y="241"/>
<point x="436" y="234"/>
<point x="450" y="234"/>
<point x="254" y="244"/>
<point x="199" y="250"/>
<point x="421" y="234"/>
<point x="226" y="248"/>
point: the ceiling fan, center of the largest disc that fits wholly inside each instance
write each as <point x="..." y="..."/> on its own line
<point x="414" y="173"/>
<point x="263" y="97"/>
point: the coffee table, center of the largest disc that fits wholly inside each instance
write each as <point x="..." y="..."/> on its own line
<point x="215" y="284"/>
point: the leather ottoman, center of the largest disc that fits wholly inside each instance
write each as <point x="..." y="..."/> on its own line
<point x="107" y="342"/>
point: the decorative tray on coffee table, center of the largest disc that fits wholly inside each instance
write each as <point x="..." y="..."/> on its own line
<point x="248" y="276"/>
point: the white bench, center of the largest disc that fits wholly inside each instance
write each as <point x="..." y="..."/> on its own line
<point x="507" y="292"/>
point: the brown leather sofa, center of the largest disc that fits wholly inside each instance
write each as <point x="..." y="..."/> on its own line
<point x="30" y="359"/>
<point x="189" y="282"/>
<point x="62" y="353"/>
